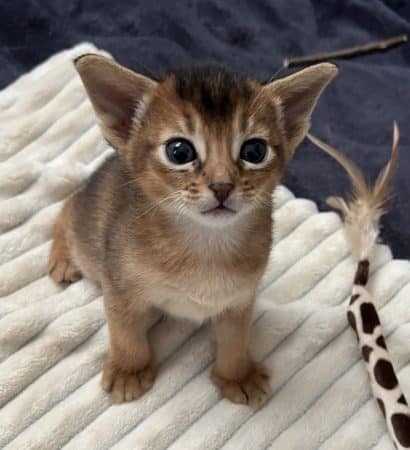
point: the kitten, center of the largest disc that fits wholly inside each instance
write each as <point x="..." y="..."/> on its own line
<point x="180" y="218"/>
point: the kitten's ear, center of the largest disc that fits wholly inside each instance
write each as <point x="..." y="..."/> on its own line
<point x="296" y="96"/>
<point x="115" y="93"/>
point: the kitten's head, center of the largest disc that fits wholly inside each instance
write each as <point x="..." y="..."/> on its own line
<point x="206" y="143"/>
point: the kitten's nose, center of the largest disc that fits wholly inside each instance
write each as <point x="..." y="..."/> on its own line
<point x="221" y="190"/>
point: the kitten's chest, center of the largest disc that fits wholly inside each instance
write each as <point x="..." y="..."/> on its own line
<point x="205" y="278"/>
<point x="199" y="296"/>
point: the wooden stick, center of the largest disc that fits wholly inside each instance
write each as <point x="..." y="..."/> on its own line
<point x="347" y="52"/>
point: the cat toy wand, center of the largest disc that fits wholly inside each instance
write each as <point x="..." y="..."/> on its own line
<point x="361" y="214"/>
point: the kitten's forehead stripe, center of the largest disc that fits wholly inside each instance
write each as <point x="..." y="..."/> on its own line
<point x="243" y="122"/>
<point x="189" y="124"/>
<point x="213" y="90"/>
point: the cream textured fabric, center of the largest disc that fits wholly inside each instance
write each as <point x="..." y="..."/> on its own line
<point x="53" y="340"/>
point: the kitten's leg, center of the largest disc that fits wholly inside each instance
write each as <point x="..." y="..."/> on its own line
<point x="239" y="378"/>
<point x="129" y="369"/>
<point x="60" y="265"/>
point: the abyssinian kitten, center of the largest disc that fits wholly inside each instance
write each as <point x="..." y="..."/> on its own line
<point x="180" y="218"/>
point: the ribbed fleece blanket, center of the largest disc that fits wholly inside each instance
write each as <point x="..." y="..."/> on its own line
<point x="53" y="340"/>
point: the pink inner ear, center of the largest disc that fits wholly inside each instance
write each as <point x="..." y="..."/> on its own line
<point x="116" y="110"/>
<point x="298" y="94"/>
<point x="298" y="105"/>
<point x="296" y="114"/>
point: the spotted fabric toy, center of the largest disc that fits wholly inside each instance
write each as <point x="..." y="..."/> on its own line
<point x="361" y="213"/>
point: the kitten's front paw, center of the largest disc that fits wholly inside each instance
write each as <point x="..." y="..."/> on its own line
<point x="126" y="385"/>
<point x="63" y="271"/>
<point x="252" y="390"/>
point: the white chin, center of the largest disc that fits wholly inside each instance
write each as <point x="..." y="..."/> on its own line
<point x="219" y="213"/>
<point x="217" y="217"/>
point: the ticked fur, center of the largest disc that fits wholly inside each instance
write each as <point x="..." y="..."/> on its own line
<point x="152" y="232"/>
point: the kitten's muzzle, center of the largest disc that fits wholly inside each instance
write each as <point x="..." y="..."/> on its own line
<point x="221" y="191"/>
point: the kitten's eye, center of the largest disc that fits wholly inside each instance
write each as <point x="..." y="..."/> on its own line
<point x="180" y="151"/>
<point x="253" y="151"/>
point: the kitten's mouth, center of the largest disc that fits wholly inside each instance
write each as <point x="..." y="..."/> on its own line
<point x="219" y="211"/>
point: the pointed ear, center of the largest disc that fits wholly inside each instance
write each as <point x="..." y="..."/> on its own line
<point x="296" y="96"/>
<point x="116" y="94"/>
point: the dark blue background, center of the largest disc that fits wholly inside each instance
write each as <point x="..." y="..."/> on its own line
<point x="355" y="115"/>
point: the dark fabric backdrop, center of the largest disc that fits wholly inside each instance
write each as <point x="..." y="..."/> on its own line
<point x="355" y="114"/>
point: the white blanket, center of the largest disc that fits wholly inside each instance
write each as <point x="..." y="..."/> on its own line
<point x="53" y="340"/>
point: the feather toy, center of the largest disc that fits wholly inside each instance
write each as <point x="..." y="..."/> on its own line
<point x="361" y="212"/>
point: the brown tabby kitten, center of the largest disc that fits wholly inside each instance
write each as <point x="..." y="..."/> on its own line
<point x="180" y="218"/>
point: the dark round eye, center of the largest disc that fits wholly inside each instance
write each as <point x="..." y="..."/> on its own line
<point x="253" y="151"/>
<point x="180" y="151"/>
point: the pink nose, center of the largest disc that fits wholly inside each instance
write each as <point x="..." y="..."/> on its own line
<point x="221" y="190"/>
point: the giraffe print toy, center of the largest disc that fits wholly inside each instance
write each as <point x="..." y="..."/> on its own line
<point x="361" y="214"/>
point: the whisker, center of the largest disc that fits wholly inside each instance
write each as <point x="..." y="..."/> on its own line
<point x="262" y="199"/>
<point x="126" y="184"/>
<point x="172" y="196"/>
<point x="180" y="209"/>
